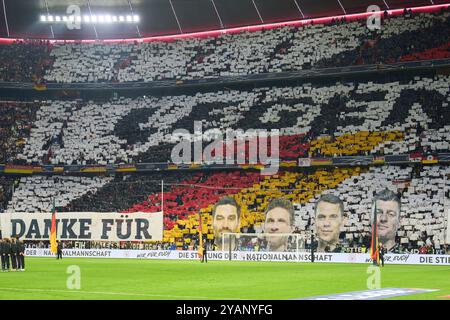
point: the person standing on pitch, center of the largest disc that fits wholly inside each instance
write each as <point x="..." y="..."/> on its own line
<point x="59" y="252"/>
<point x="4" y="255"/>
<point x="13" y="254"/>
<point x="205" y="252"/>
<point x="312" y="247"/>
<point x="20" y="255"/>
<point x="7" y="249"/>
<point x="381" y="252"/>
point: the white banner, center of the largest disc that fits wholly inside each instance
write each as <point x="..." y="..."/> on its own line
<point x="425" y="259"/>
<point x="98" y="226"/>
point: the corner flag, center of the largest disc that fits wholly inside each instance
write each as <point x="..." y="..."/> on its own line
<point x="53" y="244"/>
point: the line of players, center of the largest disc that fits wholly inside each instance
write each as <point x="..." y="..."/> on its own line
<point x="330" y="217"/>
<point x="12" y="250"/>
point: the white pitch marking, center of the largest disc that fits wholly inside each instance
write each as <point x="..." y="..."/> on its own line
<point x="113" y="293"/>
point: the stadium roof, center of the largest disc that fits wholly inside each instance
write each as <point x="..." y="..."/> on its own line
<point x="20" y="18"/>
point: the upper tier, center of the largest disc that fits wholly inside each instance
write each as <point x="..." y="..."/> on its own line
<point x="291" y="48"/>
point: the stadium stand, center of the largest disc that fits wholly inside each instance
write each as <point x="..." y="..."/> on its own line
<point x="422" y="194"/>
<point x="125" y="191"/>
<point x="388" y="116"/>
<point x="401" y="38"/>
<point x="15" y="124"/>
<point x="351" y="118"/>
<point x="6" y="185"/>
<point x="442" y="52"/>
<point x="274" y="50"/>
<point x="36" y="193"/>
<point x="397" y="40"/>
<point x="24" y="61"/>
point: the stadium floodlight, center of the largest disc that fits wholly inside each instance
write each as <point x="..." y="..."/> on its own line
<point x="92" y="18"/>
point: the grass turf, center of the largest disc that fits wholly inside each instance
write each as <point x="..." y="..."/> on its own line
<point x="46" y="278"/>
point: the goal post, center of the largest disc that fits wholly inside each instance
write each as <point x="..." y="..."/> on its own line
<point x="263" y="242"/>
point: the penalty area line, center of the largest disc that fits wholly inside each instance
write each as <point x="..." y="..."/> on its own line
<point x="115" y="293"/>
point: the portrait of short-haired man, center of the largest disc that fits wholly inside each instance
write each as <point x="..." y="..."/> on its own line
<point x="226" y="219"/>
<point x="329" y="219"/>
<point x="387" y="205"/>
<point x="279" y="218"/>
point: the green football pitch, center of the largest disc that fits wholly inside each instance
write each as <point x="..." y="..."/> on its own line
<point x="106" y="279"/>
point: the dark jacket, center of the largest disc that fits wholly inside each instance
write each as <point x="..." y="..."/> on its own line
<point x="21" y="247"/>
<point x="6" y="248"/>
<point x="2" y="247"/>
<point x="13" y="249"/>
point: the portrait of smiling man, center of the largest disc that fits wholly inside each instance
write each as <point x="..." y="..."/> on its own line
<point x="226" y="219"/>
<point x="279" y="219"/>
<point x="329" y="214"/>
<point x="387" y="205"/>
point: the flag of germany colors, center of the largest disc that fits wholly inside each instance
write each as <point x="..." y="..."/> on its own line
<point x="200" y="236"/>
<point x="53" y="244"/>
<point x="374" y="254"/>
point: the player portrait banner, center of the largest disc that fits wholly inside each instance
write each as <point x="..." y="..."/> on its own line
<point x="96" y="226"/>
